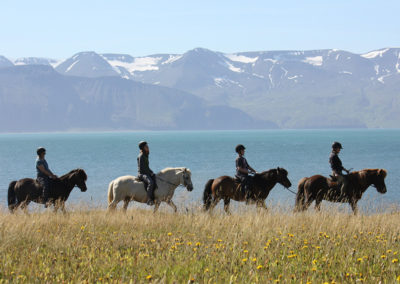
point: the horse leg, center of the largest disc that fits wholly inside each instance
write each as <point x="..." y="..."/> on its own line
<point x="126" y="203"/>
<point x="261" y="204"/>
<point x="354" y="207"/>
<point x="227" y="200"/>
<point x="113" y="205"/>
<point x="308" y="200"/>
<point x="318" y="201"/>
<point x="171" y="203"/>
<point x="318" y="204"/>
<point x="63" y="207"/>
<point x="156" y="206"/>
<point x="214" y="203"/>
<point x="24" y="206"/>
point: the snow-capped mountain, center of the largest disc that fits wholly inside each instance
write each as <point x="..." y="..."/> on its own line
<point x="86" y="64"/>
<point x="36" y="61"/>
<point x="295" y="89"/>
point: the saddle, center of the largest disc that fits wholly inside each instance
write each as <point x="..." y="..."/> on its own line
<point x="145" y="183"/>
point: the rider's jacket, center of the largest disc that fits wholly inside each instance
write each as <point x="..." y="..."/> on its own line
<point x="241" y="162"/>
<point x="336" y="163"/>
<point x="143" y="164"/>
<point x="39" y="173"/>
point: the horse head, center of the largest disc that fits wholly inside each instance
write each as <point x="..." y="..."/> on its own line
<point x="379" y="180"/>
<point x="186" y="179"/>
<point x="79" y="177"/>
<point x="281" y="176"/>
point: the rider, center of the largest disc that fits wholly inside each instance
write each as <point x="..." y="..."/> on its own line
<point x="243" y="169"/>
<point x="144" y="172"/>
<point x="337" y="168"/>
<point x="43" y="173"/>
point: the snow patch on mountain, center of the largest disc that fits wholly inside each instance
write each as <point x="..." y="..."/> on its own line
<point x="222" y="82"/>
<point x="70" y="67"/>
<point x="172" y="58"/>
<point x="233" y="68"/>
<point x="241" y="58"/>
<point x="316" y="60"/>
<point x="139" y="64"/>
<point x="375" y="53"/>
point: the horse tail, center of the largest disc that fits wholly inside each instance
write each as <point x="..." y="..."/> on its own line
<point x="12" y="198"/>
<point x="207" y="194"/>
<point x="300" y="198"/>
<point x="110" y="192"/>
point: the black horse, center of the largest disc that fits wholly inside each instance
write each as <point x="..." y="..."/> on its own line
<point x="23" y="191"/>
<point x="227" y="188"/>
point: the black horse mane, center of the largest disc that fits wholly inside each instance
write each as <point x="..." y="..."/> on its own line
<point x="79" y="171"/>
<point x="270" y="172"/>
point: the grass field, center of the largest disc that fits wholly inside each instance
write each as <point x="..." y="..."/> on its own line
<point x="141" y="247"/>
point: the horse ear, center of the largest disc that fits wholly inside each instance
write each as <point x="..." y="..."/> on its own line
<point x="382" y="172"/>
<point x="278" y="169"/>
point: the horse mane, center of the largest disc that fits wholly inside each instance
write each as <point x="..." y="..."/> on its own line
<point x="369" y="171"/>
<point x="74" y="171"/>
<point x="163" y="171"/>
<point x="271" y="171"/>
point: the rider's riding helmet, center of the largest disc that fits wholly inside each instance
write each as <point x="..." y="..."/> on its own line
<point x="142" y="144"/>
<point x="40" y="151"/>
<point x="336" y="145"/>
<point x="239" y="147"/>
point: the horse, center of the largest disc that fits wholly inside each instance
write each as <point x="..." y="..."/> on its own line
<point x="129" y="188"/>
<point x="227" y="188"/>
<point x="23" y="191"/>
<point x="320" y="188"/>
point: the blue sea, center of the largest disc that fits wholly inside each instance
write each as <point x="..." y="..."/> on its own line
<point x="107" y="155"/>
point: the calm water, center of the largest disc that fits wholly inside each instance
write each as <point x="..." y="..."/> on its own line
<point x="105" y="156"/>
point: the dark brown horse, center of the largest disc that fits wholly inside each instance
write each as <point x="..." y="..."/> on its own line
<point x="23" y="191"/>
<point x="228" y="188"/>
<point x="320" y="188"/>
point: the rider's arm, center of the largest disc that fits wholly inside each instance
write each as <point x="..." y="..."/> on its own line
<point x="251" y="169"/>
<point x="46" y="172"/>
<point x="240" y="167"/>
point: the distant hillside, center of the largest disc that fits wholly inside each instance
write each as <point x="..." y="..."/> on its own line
<point x="37" y="98"/>
<point x="293" y="89"/>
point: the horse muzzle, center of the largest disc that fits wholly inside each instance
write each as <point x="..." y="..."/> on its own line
<point x="189" y="187"/>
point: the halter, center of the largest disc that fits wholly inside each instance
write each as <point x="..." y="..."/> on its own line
<point x="170" y="183"/>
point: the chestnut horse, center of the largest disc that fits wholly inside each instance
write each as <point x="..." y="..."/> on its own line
<point x="23" y="191"/>
<point x="320" y="188"/>
<point x="228" y="188"/>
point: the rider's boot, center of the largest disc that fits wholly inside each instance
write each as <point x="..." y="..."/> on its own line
<point x="150" y="195"/>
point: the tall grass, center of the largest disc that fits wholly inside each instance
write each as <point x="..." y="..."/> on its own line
<point x="139" y="246"/>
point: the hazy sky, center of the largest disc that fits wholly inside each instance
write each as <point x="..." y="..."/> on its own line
<point x="58" y="29"/>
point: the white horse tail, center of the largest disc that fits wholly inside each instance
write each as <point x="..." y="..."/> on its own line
<point x="110" y="192"/>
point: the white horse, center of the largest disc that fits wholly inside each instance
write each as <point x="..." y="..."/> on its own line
<point x="128" y="188"/>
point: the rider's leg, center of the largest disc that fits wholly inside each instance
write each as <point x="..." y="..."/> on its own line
<point x="150" y="189"/>
<point x="247" y="186"/>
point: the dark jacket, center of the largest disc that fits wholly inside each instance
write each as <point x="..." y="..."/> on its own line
<point x="143" y="165"/>
<point x="241" y="162"/>
<point x="336" y="163"/>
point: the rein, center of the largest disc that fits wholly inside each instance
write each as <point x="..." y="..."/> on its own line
<point x="170" y="183"/>
<point x="290" y="190"/>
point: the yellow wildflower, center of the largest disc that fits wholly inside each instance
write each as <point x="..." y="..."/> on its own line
<point x="244" y="259"/>
<point x="148" y="277"/>
<point x="395" y="260"/>
<point x="169" y="234"/>
<point x="259" y="267"/>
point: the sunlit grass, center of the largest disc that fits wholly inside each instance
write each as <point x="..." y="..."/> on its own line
<point x="92" y="246"/>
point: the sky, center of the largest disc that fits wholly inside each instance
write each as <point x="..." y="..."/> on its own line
<point x="58" y="29"/>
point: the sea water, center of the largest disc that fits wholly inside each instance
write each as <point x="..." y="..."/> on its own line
<point x="208" y="154"/>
